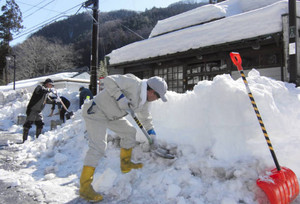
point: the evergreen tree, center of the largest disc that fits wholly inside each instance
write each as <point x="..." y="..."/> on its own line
<point x="102" y="69"/>
<point x="10" y="21"/>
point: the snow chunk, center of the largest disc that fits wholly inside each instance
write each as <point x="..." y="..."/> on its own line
<point x="173" y="191"/>
<point x="106" y="180"/>
<point x="254" y="73"/>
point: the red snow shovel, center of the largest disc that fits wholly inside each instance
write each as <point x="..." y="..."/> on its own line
<point x="281" y="185"/>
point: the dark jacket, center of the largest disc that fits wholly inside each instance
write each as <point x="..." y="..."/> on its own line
<point x="83" y="94"/>
<point x="38" y="96"/>
<point x="64" y="100"/>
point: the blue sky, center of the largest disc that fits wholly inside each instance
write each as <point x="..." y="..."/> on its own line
<point x="36" y="13"/>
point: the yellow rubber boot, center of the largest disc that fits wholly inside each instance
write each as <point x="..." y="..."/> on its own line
<point x="126" y="164"/>
<point x="86" y="190"/>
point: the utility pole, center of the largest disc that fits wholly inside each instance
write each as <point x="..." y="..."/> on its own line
<point x="5" y="72"/>
<point x="94" y="53"/>
<point x="8" y="60"/>
<point x="293" y="38"/>
<point x="14" y="56"/>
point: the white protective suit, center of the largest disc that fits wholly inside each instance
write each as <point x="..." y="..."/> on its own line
<point x="103" y="112"/>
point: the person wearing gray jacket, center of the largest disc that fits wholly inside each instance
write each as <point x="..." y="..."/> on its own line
<point x="108" y="110"/>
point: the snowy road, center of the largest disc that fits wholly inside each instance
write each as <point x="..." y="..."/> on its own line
<point x="8" y="193"/>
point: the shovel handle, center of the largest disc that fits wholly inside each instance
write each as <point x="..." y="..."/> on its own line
<point x="131" y="112"/>
<point x="62" y="103"/>
<point x="236" y="59"/>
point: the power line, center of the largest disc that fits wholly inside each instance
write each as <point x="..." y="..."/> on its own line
<point x="133" y="32"/>
<point x="39" y="9"/>
<point x="31" y="6"/>
<point x="46" y="22"/>
<point x="35" y="6"/>
<point x="37" y="28"/>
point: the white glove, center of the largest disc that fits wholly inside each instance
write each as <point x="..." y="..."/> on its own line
<point x="146" y="147"/>
<point x="123" y="102"/>
<point x="152" y="135"/>
<point x="53" y="90"/>
<point x="154" y="144"/>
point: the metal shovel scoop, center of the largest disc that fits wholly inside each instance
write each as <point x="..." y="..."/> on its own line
<point x="159" y="151"/>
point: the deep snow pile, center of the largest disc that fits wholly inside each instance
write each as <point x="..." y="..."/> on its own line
<point x="220" y="147"/>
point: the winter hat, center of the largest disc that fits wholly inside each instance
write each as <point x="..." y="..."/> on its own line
<point x="159" y="85"/>
<point x="48" y="81"/>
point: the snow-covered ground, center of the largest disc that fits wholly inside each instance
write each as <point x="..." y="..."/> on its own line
<point x="220" y="148"/>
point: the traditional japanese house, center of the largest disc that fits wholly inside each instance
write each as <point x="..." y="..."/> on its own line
<point x="195" y="45"/>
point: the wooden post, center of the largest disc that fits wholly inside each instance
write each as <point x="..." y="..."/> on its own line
<point x="94" y="54"/>
<point x="293" y="32"/>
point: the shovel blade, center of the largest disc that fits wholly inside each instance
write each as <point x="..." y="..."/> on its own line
<point x="69" y="115"/>
<point x="280" y="186"/>
<point x="164" y="153"/>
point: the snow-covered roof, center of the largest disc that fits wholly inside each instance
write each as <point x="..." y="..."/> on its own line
<point x="32" y="82"/>
<point x="207" y="13"/>
<point x="244" y="19"/>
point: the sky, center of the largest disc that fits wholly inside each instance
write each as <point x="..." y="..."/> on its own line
<point x="213" y="131"/>
<point x="36" y="13"/>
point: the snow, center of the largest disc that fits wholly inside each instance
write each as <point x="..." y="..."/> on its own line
<point x="31" y="83"/>
<point x="220" y="149"/>
<point x="207" y="13"/>
<point x="243" y="19"/>
<point x="213" y="130"/>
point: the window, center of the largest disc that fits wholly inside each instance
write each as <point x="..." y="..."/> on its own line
<point x="203" y="71"/>
<point x="263" y="59"/>
<point x="173" y="77"/>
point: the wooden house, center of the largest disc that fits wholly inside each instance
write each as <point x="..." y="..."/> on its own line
<point x="195" y="45"/>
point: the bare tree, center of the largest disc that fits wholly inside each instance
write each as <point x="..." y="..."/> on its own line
<point x="37" y="57"/>
<point x="60" y="57"/>
<point x="30" y="57"/>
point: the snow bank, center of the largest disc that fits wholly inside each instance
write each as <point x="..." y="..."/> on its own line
<point x="220" y="148"/>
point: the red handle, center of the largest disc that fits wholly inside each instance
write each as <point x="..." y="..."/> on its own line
<point x="237" y="60"/>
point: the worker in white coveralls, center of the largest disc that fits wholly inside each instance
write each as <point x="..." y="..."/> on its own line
<point x="108" y="110"/>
